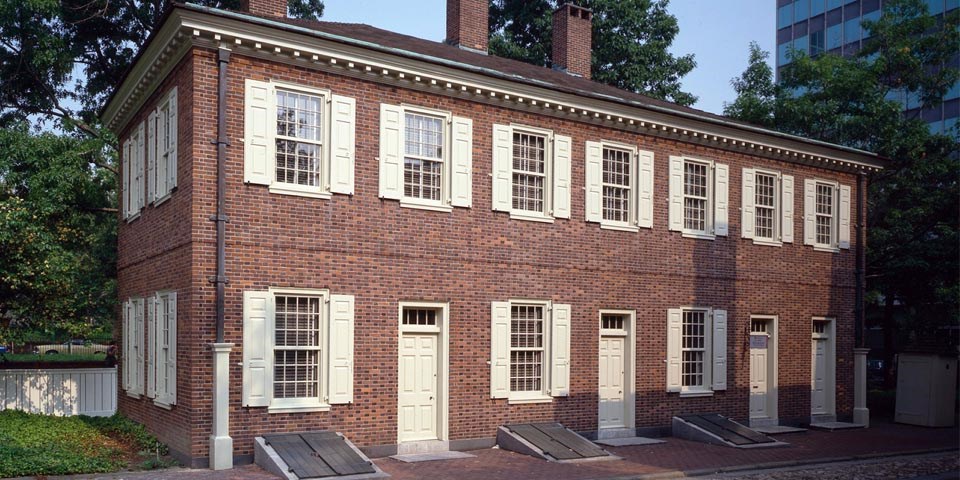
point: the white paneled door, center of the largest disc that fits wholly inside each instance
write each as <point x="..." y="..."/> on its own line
<point x="418" y="392"/>
<point x="818" y="381"/>
<point x="759" y="377"/>
<point x="612" y="391"/>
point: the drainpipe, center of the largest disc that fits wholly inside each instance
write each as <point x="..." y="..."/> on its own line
<point x="221" y="445"/>
<point x="861" y="414"/>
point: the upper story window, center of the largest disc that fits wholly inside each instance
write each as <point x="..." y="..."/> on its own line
<point x="298" y="140"/>
<point x="696" y="350"/>
<point x="698" y="197"/>
<point x="133" y="173"/>
<point x="767" y="207"/>
<point x="426" y="157"/>
<point x="619" y="186"/>
<point x="826" y="215"/>
<point x="530" y="359"/>
<point x="162" y="134"/>
<point x="531" y="173"/>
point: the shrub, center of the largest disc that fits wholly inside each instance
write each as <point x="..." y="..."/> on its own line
<point x="32" y="444"/>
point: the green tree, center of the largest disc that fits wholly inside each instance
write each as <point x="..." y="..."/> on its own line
<point x="631" y="39"/>
<point x="756" y="91"/>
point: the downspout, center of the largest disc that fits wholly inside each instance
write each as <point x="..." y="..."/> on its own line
<point x="861" y="414"/>
<point x="221" y="445"/>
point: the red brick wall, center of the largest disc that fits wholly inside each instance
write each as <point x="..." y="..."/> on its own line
<point x="269" y="8"/>
<point x="382" y="253"/>
<point x="467" y="23"/>
<point x="572" y="42"/>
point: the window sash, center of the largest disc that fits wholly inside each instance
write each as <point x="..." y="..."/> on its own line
<point x="696" y="196"/>
<point x="618" y="170"/>
<point x="292" y="168"/>
<point x="527" y="348"/>
<point x="765" y="206"/>
<point x="693" y="349"/>
<point x="826" y="196"/>
<point x="424" y="173"/>
<point x="297" y="352"/>
<point x="529" y="171"/>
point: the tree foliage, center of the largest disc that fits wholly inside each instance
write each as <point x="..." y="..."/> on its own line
<point x="756" y="91"/>
<point x="631" y="39"/>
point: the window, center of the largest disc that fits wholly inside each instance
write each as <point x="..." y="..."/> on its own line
<point x="419" y="317"/>
<point x="613" y="322"/>
<point x="531" y="173"/>
<point x="785" y="16"/>
<point x="298" y="140"/>
<point x="696" y="350"/>
<point x="425" y="157"/>
<point x="297" y="349"/>
<point x="801" y="9"/>
<point x="767" y="207"/>
<point x="698" y="197"/>
<point x="617" y="166"/>
<point x="162" y="354"/>
<point x="816" y="7"/>
<point x="826" y="215"/>
<point x="531" y="351"/>
<point x="758" y="325"/>
<point x="619" y="186"/>
<point x="133" y="175"/>
<point x="162" y="149"/>
<point x="851" y="30"/>
<point x="133" y="351"/>
<point x="817" y="42"/>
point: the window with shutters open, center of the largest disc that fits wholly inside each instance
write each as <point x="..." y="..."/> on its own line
<point x="531" y="173"/>
<point x="696" y="351"/>
<point x="162" y="149"/>
<point x="826" y="215"/>
<point x="530" y="348"/>
<point x="699" y="191"/>
<point x="618" y="186"/>
<point x="767" y="207"/>
<point x="297" y="350"/>
<point x="134" y="176"/>
<point x="133" y="347"/>
<point x="299" y="140"/>
<point x="163" y="348"/>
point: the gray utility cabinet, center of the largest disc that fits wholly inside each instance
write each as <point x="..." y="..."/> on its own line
<point x="926" y="389"/>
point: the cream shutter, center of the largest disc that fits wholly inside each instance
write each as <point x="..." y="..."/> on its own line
<point x="676" y="194"/>
<point x="748" y="213"/>
<point x="809" y="212"/>
<point x="138" y="342"/>
<point x="562" y="158"/>
<point x="259" y="130"/>
<point x="152" y="157"/>
<point x="141" y="174"/>
<point x="844" y="233"/>
<point x="502" y="168"/>
<point x="721" y="212"/>
<point x="500" y="350"/>
<point x="674" y="337"/>
<point x="174" y="142"/>
<point x="127" y="151"/>
<point x="593" y="186"/>
<point x="127" y="359"/>
<point x="153" y="360"/>
<point x="560" y="351"/>
<point x="340" y="386"/>
<point x="461" y="163"/>
<point x="719" y="345"/>
<point x="170" y="361"/>
<point x="391" y="151"/>
<point x="786" y="209"/>
<point x="645" y="189"/>
<point x="257" y="349"/>
<point x="343" y="121"/>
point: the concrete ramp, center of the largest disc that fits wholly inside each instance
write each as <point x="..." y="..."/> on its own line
<point x="550" y="441"/>
<point x="306" y="455"/>
<point x="719" y="430"/>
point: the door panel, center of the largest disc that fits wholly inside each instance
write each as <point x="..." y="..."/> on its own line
<point x="758" y="383"/>
<point x="418" y="399"/>
<point x="818" y="394"/>
<point x="612" y="399"/>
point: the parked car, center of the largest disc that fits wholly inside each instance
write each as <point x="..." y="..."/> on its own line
<point x="76" y="346"/>
<point x="3" y="349"/>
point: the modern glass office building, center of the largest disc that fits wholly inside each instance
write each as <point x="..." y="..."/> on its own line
<point x="818" y="26"/>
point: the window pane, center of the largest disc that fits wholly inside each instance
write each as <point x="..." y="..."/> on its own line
<point x="851" y="30"/>
<point x="298" y="155"/>
<point x="695" y="196"/>
<point x="765" y="204"/>
<point x="824" y="214"/>
<point x="297" y="347"/>
<point x="784" y="16"/>
<point x="526" y="348"/>
<point x="529" y="171"/>
<point x="693" y="348"/>
<point x="616" y="184"/>
<point x="834" y="38"/>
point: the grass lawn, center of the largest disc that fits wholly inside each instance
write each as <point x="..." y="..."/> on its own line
<point x="59" y="357"/>
<point x="32" y="444"/>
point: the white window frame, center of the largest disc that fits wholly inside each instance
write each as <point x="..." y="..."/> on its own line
<point x="547" y="213"/>
<point x="708" y="225"/>
<point x="442" y="204"/>
<point x="543" y="395"/>
<point x="716" y="351"/>
<point x="322" y="190"/>
<point x="165" y="303"/>
<point x="707" y="367"/>
<point x="164" y="171"/>
<point x="834" y="216"/>
<point x="775" y="232"/>
<point x="634" y="178"/>
<point x="302" y="404"/>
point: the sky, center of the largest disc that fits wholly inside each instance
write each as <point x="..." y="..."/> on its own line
<point x="716" y="32"/>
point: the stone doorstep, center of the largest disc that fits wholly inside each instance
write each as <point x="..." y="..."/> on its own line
<point x="430" y="457"/>
<point x="832" y="426"/>
<point x="779" y="430"/>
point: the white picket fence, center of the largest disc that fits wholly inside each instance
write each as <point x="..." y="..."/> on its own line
<point x="64" y="392"/>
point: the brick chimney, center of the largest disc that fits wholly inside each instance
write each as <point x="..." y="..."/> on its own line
<point x="265" y="8"/>
<point x="467" y="24"/>
<point x="572" y="42"/>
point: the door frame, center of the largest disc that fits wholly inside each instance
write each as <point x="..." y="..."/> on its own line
<point x="773" y="369"/>
<point x="442" y="330"/>
<point x="629" y="366"/>
<point x="830" y="351"/>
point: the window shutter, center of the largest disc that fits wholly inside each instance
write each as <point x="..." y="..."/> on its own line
<point x="844" y="211"/>
<point x="786" y="209"/>
<point x="259" y="130"/>
<point x="676" y="194"/>
<point x="562" y="146"/>
<point x="341" y="349"/>
<point x="721" y="212"/>
<point x="593" y="188"/>
<point x="127" y="344"/>
<point x="141" y="180"/>
<point x="152" y="157"/>
<point x="719" y="349"/>
<point x="174" y="142"/>
<point x="645" y="189"/>
<point x="502" y="168"/>
<point x="809" y="212"/>
<point x="747" y="206"/>
<point x="171" y="359"/>
<point x="500" y="350"/>
<point x="343" y="121"/>
<point x="391" y="151"/>
<point x="138" y="341"/>
<point x="560" y="351"/>
<point x="125" y="207"/>
<point x="674" y="337"/>
<point x="461" y="163"/>
<point x="257" y="349"/>
<point x="153" y="360"/>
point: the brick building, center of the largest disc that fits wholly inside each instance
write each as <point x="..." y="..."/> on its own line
<point x="422" y="242"/>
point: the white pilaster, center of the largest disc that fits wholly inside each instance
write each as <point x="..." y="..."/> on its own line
<point x="221" y="445"/>
<point x="861" y="414"/>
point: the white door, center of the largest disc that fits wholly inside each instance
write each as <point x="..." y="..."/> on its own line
<point x="418" y="387"/>
<point x="818" y="381"/>
<point x="612" y="404"/>
<point x="759" y="372"/>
